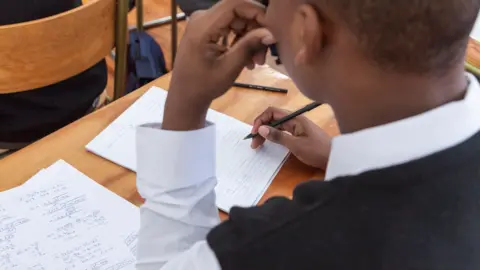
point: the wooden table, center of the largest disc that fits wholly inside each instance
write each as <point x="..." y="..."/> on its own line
<point x="244" y="104"/>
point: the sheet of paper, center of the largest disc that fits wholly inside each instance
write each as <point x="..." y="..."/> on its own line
<point x="61" y="219"/>
<point x="475" y="34"/>
<point x="243" y="174"/>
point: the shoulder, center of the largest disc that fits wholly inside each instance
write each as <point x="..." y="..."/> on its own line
<point x="250" y="226"/>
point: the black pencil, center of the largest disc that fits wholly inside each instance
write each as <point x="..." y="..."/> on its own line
<point x="260" y="87"/>
<point x="289" y="117"/>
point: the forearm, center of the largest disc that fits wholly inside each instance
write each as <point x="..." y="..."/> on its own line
<point x="180" y="115"/>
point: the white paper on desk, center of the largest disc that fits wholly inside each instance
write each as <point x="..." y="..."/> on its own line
<point x="243" y="174"/>
<point x="61" y="219"/>
<point x="475" y="34"/>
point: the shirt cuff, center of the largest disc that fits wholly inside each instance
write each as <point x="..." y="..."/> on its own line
<point x="168" y="160"/>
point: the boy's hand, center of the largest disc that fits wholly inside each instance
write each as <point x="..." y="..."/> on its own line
<point x="205" y="68"/>
<point x="308" y="142"/>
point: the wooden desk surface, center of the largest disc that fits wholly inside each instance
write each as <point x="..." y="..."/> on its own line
<point x="244" y="104"/>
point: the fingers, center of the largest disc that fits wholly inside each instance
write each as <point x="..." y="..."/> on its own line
<point x="257" y="142"/>
<point x="223" y="14"/>
<point x="250" y="10"/>
<point x="242" y="17"/>
<point x="269" y="115"/>
<point x="238" y="26"/>
<point x="260" y="57"/>
<point x="277" y="136"/>
<point x="239" y="16"/>
<point x="197" y="14"/>
<point x="243" y="51"/>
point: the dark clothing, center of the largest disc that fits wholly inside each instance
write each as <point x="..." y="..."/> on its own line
<point x="423" y="215"/>
<point x="28" y="116"/>
<point x="190" y="6"/>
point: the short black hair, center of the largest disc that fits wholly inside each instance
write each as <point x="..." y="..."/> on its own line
<point x="415" y="36"/>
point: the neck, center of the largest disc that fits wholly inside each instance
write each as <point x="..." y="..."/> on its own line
<point x="394" y="97"/>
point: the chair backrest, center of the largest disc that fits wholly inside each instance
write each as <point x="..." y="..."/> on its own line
<point x="43" y="52"/>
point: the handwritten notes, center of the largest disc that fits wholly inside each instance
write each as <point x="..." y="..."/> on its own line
<point x="243" y="174"/>
<point x="61" y="219"/>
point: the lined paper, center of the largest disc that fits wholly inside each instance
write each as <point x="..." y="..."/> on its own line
<point x="475" y="34"/>
<point x="61" y="219"/>
<point x="243" y="174"/>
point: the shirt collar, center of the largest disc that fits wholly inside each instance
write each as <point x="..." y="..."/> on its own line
<point x="408" y="139"/>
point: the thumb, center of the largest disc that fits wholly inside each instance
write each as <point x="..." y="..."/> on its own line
<point x="276" y="136"/>
<point x="246" y="47"/>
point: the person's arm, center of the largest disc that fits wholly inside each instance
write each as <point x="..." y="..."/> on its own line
<point x="176" y="176"/>
<point x="176" y="161"/>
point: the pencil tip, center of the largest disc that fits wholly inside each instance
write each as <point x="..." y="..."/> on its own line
<point x="249" y="136"/>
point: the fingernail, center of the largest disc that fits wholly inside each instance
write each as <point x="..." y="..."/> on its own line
<point x="263" y="131"/>
<point x="268" y="40"/>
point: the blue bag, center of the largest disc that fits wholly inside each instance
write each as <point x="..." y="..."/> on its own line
<point x="145" y="60"/>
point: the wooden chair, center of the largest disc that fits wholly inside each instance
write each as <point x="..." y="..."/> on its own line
<point x="472" y="59"/>
<point x="43" y="52"/>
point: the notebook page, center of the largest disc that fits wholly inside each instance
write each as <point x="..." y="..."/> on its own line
<point x="117" y="210"/>
<point x="117" y="142"/>
<point x="57" y="221"/>
<point x="475" y="34"/>
<point x="243" y="174"/>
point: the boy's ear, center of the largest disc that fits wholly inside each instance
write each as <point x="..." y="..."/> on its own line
<point x="309" y="34"/>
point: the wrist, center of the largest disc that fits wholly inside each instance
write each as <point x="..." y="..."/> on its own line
<point x="183" y="112"/>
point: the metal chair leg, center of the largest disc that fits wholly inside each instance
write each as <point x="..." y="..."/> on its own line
<point x="139" y="4"/>
<point x="173" y="12"/>
<point x="160" y="22"/>
<point x="121" y="49"/>
<point x="173" y="19"/>
<point x="163" y="21"/>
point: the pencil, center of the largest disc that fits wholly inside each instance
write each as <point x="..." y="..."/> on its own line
<point x="289" y="117"/>
<point x="260" y="87"/>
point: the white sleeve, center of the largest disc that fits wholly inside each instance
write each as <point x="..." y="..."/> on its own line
<point x="176" y="177"/>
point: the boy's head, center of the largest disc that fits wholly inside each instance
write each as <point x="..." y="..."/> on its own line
<point x="325" y="43"/>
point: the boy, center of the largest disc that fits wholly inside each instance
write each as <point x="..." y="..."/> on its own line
<point x="402" y="180"/>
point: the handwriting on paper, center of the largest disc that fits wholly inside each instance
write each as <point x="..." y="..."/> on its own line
<point x="59" y="220"/>
<point x="243" y="174"/>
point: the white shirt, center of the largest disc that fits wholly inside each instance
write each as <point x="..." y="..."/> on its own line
<point x="176" y="175"/>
